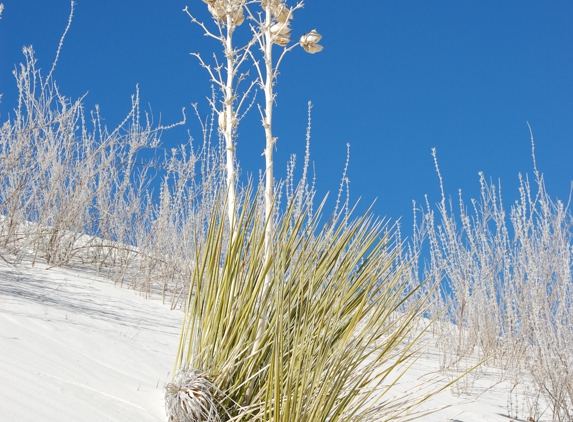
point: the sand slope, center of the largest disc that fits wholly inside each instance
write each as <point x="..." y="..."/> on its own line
<point x="74" y="347"/>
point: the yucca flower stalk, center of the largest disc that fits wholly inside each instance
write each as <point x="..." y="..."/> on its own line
<point x="273" y="28"/>
<point x="227" y="16"/>
<point x="292" y="319"/>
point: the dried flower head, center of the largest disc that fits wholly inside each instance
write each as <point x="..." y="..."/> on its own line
<point x="190" y="398"/>
<point x="311" y="38"/>
<point x="310" y="42"/>
<point x="281" y="13"/>
<point x="281" y="40"/>
<point x="210" y="3"/>
<point x="281" y="33"/>
<point x="281" y="29"/>
<point x="238" y="16"/>
<point x="278" y="9"/>
<point x="220" y="9"/>
<point x="269" y="3"/>
<point x="217" y="9"/>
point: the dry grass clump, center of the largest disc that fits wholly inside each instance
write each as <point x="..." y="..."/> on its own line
<point x="191" y="397"/>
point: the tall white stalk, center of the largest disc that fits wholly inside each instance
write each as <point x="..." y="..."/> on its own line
<point x="228" y="15"/>
<point x="267" y="47"/>
<point x="269" y="140"/>
<point x="229" y="125"/>
<point x="267" y="79"/>
<point x="274" y="29"/>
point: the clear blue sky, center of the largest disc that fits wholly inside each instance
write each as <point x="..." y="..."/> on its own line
<point x="395" y="79"/>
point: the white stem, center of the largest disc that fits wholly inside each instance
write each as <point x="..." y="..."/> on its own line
<point x="269" y="177"/>
<point x="270" y="141"/>
<point x="229" y="126"/>
<point x="269" y="163"/>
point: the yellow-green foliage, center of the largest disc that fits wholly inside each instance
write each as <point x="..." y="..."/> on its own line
<point x="332" y="333"/>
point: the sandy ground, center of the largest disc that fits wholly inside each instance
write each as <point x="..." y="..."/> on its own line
<point x="74" y="347"/>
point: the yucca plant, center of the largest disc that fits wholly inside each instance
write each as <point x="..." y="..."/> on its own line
<point x="273" y="29"/>
<point x="289" y="318"/>
<point x="335" y="338"/>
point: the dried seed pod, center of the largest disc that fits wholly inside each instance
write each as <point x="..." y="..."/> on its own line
<point x="311" y="38"/>
<point x="281" y="13"/>
<point x="268" y="3"/>
<point x="222" y="121"/>
<point x="238" y="16"/>
<point x="309" y="42"/>
<point x="281" y="40"/>
<point x="313" y="48"/>
<point x="280" y="29"/>
<point x="217" y="10"/>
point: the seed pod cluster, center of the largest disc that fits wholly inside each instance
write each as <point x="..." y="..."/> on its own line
<point x="282" y="15"/>
<point x="221" y="9"/>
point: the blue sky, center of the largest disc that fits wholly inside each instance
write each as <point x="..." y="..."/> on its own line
<point x="395" y="79"/>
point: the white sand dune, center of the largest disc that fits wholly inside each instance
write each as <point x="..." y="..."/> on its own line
<point x="77" y="348"/>
<point x="74" y="347"/>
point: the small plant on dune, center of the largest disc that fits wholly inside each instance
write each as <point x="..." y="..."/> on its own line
<point x="270" y="27"/>
<point x="290" y="318"/>
<point x="334" y="342"/>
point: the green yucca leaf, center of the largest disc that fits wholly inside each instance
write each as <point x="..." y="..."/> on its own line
<point x="320" y="342"/>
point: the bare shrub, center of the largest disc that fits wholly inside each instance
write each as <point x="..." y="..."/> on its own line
<point x="111" y="199"/>
<point x="508" y="285"/>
